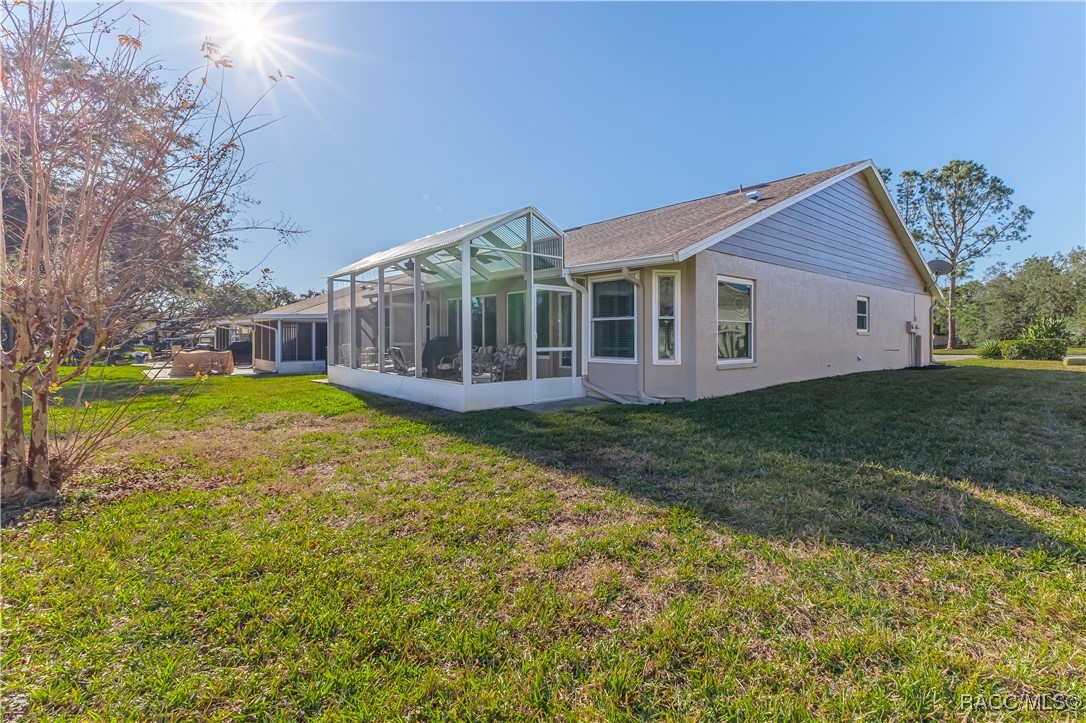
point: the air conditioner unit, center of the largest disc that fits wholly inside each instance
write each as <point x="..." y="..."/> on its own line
<point x="912" y="327"/>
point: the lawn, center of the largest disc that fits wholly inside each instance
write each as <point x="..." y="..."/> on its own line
<point x="867" y="547"/>
<point x="973" y="350"/>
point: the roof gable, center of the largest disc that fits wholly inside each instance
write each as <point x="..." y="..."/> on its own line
<point x="671" y="229"/>
<point x="677" y="232"/>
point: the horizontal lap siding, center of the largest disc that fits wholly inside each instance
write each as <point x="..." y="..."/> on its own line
<point x="840" y="231"/>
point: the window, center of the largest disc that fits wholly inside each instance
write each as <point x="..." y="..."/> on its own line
<point x="297" y="340"/>
<point x="613" y="322"/>
<point x="454" y="320"/>
<point x="665" y="316"/>
<point x="484" y="320"/>
<point x="863" y="303"/>
<point x="515" y="318"/>
<point x="734" y="319"/>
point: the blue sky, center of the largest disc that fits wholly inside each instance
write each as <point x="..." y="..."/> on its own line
<point x="405" y="119"/>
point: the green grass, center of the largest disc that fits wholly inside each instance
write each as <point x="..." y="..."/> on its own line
<point x="973" y="350"/>
<point x="867" y="547"/>
<point x="1030" y="364"/>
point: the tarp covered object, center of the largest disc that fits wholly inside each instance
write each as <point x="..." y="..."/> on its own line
<point x="188" y="363"/>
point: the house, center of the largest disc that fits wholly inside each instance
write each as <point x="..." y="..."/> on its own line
<point x="291" y="339"/>
<point x="808" y="276"/>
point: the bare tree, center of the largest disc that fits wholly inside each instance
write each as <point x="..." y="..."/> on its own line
<point x="111" y="181"/>
<point x="962" y="213"/>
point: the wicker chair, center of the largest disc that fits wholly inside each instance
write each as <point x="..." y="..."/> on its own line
<point x="510" y="362"/>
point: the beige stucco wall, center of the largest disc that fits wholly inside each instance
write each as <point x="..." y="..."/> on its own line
<point x="668" y="380"/>
<point x="804" y="326"/>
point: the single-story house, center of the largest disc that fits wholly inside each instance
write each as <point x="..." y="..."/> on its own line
<point x="808" y="276"/>
<point x="292" y="339"/>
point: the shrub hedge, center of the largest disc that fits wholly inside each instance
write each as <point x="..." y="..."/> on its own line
<point x="1046" y="349"/>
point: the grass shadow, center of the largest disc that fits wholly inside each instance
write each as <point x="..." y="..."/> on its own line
<point x="876" y="460"/>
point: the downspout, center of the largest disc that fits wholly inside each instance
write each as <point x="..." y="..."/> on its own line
<point x="645" y="398"/>
<point x="580" y="288"/>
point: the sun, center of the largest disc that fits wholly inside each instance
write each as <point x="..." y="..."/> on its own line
<point x="246" y="27"/>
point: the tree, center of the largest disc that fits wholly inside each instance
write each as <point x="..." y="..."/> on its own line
<point x="1011" y="297"/>
<point x="112" y="182"/>
<point x="962" y="212"/>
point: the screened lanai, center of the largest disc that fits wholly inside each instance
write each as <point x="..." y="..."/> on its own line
<point x="474" y="317"/>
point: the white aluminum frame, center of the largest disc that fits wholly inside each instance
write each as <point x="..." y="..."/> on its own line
<point x="592" y="358"/>
<point x="753" y="320"/>
<point x="866" y="315"/>
<point x="462" y="395"/>
<point x="676" y="317"/>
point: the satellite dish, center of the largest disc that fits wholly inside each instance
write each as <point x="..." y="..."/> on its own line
<point x="940" y="267"/>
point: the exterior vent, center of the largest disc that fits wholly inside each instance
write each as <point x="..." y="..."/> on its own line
<point x="753" y="197"/>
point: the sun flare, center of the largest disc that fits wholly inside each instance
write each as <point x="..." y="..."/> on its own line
<point x="246" y="27"/>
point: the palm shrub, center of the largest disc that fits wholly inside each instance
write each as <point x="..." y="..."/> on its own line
<point x="1048" y="327"/>
<point x="989" y="349"/>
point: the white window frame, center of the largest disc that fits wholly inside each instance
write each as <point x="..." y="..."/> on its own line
<point x="484" y="297"/>
<point x="656" y="276"/>
<point x="508" y="296"/>
<point x="592" y="320"/>
<point x="753" y="319"/>
<point x="866" y="315"/>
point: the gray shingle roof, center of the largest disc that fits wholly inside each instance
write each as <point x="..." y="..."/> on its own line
<point x="671" y="229"/>
<point x="313" y="305"/>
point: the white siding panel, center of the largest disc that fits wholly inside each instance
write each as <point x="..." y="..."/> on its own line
<point x="840" y="231"/>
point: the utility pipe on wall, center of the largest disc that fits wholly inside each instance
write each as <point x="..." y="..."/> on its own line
<point x="645" y="398"/>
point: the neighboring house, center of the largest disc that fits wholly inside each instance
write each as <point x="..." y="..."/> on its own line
<point x="292" y="339"/>
<point x="805" y="277"/>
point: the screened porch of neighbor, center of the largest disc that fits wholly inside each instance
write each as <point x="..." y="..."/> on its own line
<point x="475" y="317"/>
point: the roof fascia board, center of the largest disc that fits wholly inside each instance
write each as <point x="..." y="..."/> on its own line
<point x="619" y="263"/>
<point x="269" y="317"/>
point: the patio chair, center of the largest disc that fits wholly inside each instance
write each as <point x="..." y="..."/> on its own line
<point x="367" y="357"/>
<point x="510" y="362"/>
<point x="399" y="363"/>
<point x="482" y="359"/>
<point x="450" y="366"/>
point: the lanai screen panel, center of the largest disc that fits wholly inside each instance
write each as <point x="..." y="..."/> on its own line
<point x="440" y="287"/>
<point x="365" y="320"/>
<point x="413" y="315"/>
<point x="500" y="311"/>
<point x="340" y="328"/>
